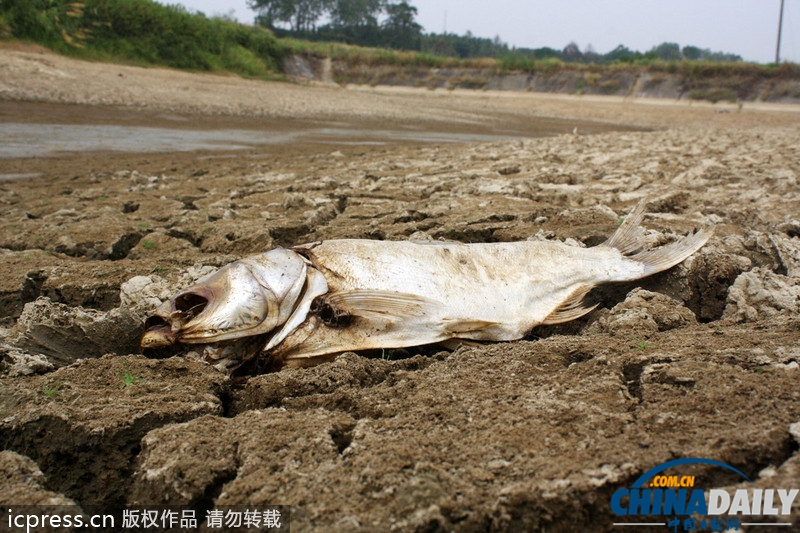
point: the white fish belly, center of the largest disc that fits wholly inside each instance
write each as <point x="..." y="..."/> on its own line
<point x="489" y="291"/>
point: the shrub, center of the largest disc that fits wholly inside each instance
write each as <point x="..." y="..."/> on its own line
<point x="143" y="31"/>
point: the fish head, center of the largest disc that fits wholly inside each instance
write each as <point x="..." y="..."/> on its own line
<point x="227" y="316"/>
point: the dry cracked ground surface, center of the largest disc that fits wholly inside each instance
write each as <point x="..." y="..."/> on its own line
<point x="699" y="361"/>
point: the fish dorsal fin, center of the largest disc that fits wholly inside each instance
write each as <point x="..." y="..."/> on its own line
<point x="571" y="308"/>
<point x="629" y="237"/>
<point x="369" y="303"/>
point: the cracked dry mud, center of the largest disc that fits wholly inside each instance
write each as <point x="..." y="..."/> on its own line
<point x="699" y="361"/>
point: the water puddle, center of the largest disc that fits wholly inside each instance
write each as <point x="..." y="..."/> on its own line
<point x="41" y="140"/>
<point x="4" y="177"/>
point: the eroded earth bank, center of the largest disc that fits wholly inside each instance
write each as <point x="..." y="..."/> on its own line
<point x="699" y="361"/>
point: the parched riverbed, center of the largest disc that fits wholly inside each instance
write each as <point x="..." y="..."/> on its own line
<point x="700" y="361"/>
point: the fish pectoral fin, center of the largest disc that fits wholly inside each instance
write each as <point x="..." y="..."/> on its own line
<point x="573" y="307"/>
<point x="369" y="303"/>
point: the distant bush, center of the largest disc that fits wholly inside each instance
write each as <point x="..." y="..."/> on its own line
<point x="142" y="31"/>
<point x="5" y="29"/>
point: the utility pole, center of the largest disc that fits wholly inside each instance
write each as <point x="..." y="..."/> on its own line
<point x="778" y="47"/>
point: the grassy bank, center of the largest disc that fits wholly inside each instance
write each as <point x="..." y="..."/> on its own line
<point x="357" y="55"/>
<point x="142" y="32"/>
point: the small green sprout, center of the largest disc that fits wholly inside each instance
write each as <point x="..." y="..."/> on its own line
<point x="148" y="244"/>
<point x="128" y="378"/>
<point x="642" y="345"/>
<point x="50" y="392"/>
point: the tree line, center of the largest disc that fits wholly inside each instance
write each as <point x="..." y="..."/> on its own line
<point x="349" y="21"/>
<point x="392" y="24"/>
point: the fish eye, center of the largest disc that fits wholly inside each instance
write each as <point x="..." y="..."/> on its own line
<point x="190" y="304"/>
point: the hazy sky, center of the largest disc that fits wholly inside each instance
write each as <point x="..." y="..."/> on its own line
<point x="745" y="27"/>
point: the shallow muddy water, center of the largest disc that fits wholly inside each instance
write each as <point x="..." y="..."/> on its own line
<point x="41" y="140"/>
<point x="29" y="131"/>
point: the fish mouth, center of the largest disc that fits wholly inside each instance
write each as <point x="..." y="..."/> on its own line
<point x="162" y="328"/>
<point x="167" y="335"/>
<point x="164" y="337"/>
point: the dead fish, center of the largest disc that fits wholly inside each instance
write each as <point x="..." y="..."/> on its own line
<point x="304" y="305"/>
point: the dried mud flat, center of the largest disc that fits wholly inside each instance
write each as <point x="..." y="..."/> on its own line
<point x="700" y="361"/>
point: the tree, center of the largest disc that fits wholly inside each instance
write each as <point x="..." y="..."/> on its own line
<point x="572" y="53"/>
<point x="403" y="31"/>
<point x="692" y="52"/>
<point x="620" y="53"/>
<point x="704" y="54"/>
<point x="301" y="15"/>
<point x="668" y="51"/>
<point x="590" y="55"/>
<point x="354" y="13"/>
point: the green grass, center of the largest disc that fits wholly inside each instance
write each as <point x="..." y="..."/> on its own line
<point x="360" y="55"/>
<point x="143" y="32"/>
<point x="128" y="378"/>
<point x="642" y="345"/>
<point x="50" y="392"/>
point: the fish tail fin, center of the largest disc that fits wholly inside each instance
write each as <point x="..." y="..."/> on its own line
<point x="659" y="259"/>
<point x="629" y="239"/>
